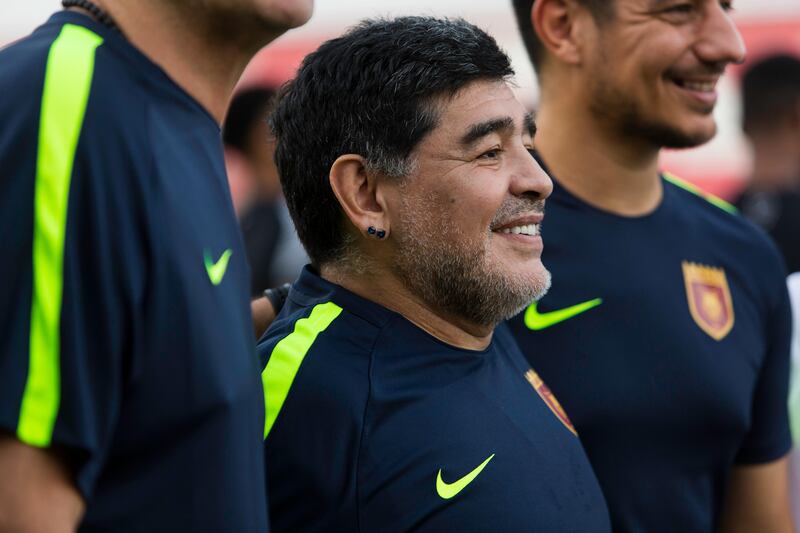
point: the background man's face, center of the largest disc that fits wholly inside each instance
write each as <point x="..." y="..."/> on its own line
<point x="654" y="67"/>
<point x="468" y="224"/>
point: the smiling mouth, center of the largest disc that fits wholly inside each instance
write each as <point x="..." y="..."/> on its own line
<point x="702" y="92"/>
<point x="703" y="84"/>
<point x="694" y="85"/>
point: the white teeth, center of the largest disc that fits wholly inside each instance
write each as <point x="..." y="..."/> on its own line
<point x="529" y="229"/>
<point x="704" y="86"/>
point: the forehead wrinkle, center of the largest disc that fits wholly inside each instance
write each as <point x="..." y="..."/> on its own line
<point x="482" y="129"/>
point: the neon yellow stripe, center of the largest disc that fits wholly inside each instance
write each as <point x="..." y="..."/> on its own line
<point x="68" y="78"/>
<point x="710" y="198"/>
<point x="288" y="355"/>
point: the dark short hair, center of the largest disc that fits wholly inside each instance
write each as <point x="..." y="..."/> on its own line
<point x="373" y="92"/>
<point x="248" y="107"/>
<point x="601" y="10"/>
<point x="770" y="91"/>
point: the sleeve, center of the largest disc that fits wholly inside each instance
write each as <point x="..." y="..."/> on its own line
<point x="65" y="299"/>
<point x="769" y="437"/>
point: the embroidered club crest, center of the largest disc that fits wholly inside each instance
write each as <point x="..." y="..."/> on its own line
<point x="549" y="399"/>
<point x="709" y="299"/>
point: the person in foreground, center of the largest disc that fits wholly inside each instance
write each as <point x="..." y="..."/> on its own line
<point x="666" y="333"/>
<point x="129" y="390"/>
<point x="393" y="401"/>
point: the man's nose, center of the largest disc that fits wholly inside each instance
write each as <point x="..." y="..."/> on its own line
<point x="719" y="40"/>
<point x="529" y="177"/>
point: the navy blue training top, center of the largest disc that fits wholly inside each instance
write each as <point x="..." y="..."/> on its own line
<point x="374" y="425"/>
<point x="666" y="338"/>
<point x="125" y="330"/>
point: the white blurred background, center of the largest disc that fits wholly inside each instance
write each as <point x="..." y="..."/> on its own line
<point x="720" y="166"/>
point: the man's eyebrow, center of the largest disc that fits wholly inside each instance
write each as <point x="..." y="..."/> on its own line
<point x="529" y="125"/>
<point x="482" y="129"/>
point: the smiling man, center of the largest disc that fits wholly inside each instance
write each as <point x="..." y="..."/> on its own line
<point x="393" y="403"/>
<point x="666" y="333"/>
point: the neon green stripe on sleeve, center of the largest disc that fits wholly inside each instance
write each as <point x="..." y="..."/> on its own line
<point x="710" y="198"/>
<point x="288" y="355"/>
<point x="68" y="78"/>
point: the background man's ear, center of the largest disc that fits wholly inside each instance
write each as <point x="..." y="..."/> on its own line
<point x="558" y="23"/>
<point x="359" y="196"/>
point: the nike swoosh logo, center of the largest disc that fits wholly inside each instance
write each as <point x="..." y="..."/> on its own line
<point x="448" y="490"/>
<point x="216" y="270"/>
<point x="537" y="321"/>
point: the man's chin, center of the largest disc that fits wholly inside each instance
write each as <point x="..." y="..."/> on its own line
<point x="679" y="138"/>
<point x="540" y="283"/>
<point x="530" y="275"/>
<point x="525" y="288"/>
<point x="288" y="14"/>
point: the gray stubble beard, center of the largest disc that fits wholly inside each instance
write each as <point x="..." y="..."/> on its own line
<point x="453" y="276"/>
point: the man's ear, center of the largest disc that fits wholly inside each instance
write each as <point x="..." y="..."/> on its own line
<point x="560" y="27"/>
<point x="359" y="195"/>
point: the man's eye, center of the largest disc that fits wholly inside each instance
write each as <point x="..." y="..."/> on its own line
<point x="727" y="6"/>
<point x="490" y="154"/>
<point x="680" y="8"/>
<point x="679" y="13"/>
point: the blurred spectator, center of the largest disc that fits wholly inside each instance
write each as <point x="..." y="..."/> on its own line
<point x="771" y="100"/>
<point x="273" y="250"/>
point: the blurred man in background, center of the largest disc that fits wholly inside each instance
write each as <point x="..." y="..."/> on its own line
<point x="129" y="390"/>
<point x="273" y="250"/>
<point x="771" y="121"/>
<point x="666" y="332"/>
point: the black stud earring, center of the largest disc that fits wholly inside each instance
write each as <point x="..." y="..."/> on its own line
<point x="379" y="233"/>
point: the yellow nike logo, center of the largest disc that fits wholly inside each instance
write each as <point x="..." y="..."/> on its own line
<point x="448" y="490"/>
<point x="537" y="321"/>
<point x="216" y="270"/>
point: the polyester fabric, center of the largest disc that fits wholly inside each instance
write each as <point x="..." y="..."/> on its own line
<point x="381" y="428"/>
<point x="126" y="336"/>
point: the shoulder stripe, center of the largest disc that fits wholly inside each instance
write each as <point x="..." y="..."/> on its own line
<point x="67" y="82"/>
<point x="710" y="198"/>
<point x="288" y="355"/>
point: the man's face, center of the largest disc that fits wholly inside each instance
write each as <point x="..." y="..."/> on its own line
<point x="469" y="214"/>
<point x="653" y="68"/>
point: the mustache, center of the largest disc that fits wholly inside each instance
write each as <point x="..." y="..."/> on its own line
<point x="516" y="206"/>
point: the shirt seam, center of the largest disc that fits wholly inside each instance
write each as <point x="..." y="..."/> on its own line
<point x="367" y="405"/>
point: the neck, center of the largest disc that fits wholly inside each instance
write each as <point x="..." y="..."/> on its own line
<point x="189" y="46"/>
<point x="381" y="286"/>
<point x="598" y="165"/>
